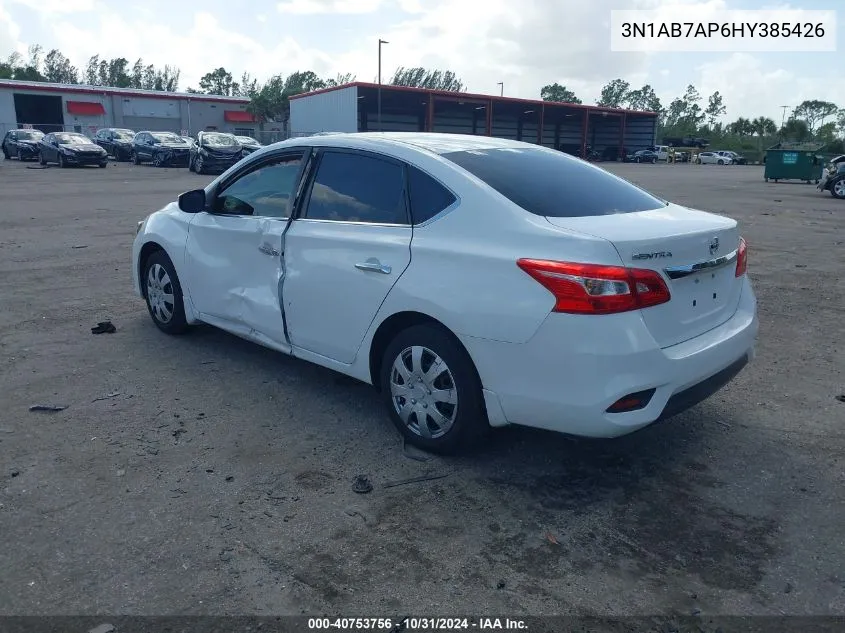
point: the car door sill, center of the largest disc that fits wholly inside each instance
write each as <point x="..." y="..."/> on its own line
<point x="245" y="333"/>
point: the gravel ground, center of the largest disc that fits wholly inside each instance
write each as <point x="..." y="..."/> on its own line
<point x="206" y="475"/>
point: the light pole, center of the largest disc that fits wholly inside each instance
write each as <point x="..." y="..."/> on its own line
<point x="783" y="120"/>
<point x="380" y="42"/>
<point x="502" y="85"/>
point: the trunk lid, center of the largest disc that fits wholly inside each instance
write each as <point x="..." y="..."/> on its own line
<point x="694" y="251"/>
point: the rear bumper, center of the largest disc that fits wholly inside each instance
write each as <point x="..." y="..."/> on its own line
<point x="575" y="367"/>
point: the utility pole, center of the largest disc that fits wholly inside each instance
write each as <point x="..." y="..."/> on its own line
<point x="783" y="119"/>
<point x="502" y="85"/>
<point x="380" y="42"/>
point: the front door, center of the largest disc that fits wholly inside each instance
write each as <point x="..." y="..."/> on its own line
<point x="344" y="253"/>
<point x="233" y="262"/>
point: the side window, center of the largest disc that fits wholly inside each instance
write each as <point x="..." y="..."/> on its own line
<point x="13" y="136"/>
<point x="428" y="197"/>
<point x="267" y="191"/>
<point x="353" y="187"/>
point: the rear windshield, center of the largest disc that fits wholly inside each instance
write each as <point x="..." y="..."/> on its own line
<point x="553" y="184"/>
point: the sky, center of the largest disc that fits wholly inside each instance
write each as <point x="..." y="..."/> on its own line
<point x="525" y="44"/>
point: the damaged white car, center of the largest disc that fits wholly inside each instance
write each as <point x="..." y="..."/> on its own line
<point x="476" y="282"/>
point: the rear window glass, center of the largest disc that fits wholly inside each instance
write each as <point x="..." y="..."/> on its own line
<point x="553" y="184"/>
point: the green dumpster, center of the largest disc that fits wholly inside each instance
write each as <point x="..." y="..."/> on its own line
<point x="794" y="161"/>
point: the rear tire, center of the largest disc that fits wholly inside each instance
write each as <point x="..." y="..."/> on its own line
<point x="6" y="153"/>
<point x="163" y="293"/>
<point x="104" y="165"/>
<point x="448" y="398"/>
<point x="653" y="161"/>
<point x="135" y="158"/>
<point x="720" y="161"/>
<point x="62" y="162"/>
<point x="42" y="161"/>
<point x="20" y="155"/>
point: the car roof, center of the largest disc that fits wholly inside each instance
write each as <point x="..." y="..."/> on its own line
<point x="437" y="143"/>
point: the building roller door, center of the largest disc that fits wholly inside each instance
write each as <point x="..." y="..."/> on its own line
<point x="151" y="123"/>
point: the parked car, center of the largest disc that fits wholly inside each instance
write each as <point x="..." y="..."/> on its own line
<point x="70" y="149"/>
<point x="736" y="159"/>
<point x="249" y="144"/>
<point x="188" y="140"/>
<point x="116" y="141"/>
<point x="162" y="149"/>
<point x="480" y="320"/>
<point x="642" y="156"/>
<point x="214" y="151"/>
<point x="681" y="156"/>
<point x="22" y="144"/>
<point x="712" y="158"/>
<point x="833" y="178"/>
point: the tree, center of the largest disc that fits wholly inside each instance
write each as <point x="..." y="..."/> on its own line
<point x="558" y="93"/>
<point x="340" y="80"/>
<point x="764" y="126"/>
<point x="271" y="102"/>
<point x="742" y="127"/>
<point x="827" y="132"/>
<point x="795" y="130"/>
<point x="715" y="108"/>
<point x="219" y="82"/>
<point x="614" y="94"/>
<point x="58" y="69"/>
<point x="644" y="99"/>
<point x="423" y="78"/>
<point x="814" y="112"/>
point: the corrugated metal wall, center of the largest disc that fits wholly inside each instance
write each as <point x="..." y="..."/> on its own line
<point x="333" y="111"/>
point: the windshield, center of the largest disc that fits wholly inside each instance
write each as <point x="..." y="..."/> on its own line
<point x="553" y="184"/>
<point x="31" y="135"/>
<point x="219" y="140"/>
<point x="167" y="137"/>
<point x="72" y="139"/>
<point x="126" y="135"/>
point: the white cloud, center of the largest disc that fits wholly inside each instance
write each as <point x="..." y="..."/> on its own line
<point x="309" y="7"/>
<point x="526" y="45"/>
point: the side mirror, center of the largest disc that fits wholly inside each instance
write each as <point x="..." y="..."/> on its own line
<point x="192" y="201"/>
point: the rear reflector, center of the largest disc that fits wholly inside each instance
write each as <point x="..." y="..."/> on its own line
<point x="741" y="258"/>
<point x="597" y="289"/>
<point x="632" y="402"/>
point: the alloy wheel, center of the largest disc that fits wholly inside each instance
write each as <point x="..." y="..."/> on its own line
<point x="423" y="392"/>
<point x="839" y="188"/>
<point x="160" y="293"/>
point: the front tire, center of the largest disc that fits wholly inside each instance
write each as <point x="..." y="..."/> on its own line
<point x="62" y="162"/>
<point x="104" y="165"/>
<point x="432" y="390"/>
<point x="198" y="166"/>
<point x="837" y="188"/>
<point x="653" y="161"/>
<point x="158" y="160"/>
<point x="720" y="161"/>
<point x="163" y="294"/>
<point x="41" y="159"/>
<point x="6" y="153"/>
<point x="135" y="158"/>
<point x="20" y="155"/>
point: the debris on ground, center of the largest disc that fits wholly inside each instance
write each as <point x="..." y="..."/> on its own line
<point x="500" y="584"/>
<point x="412" y="452"/>
<point x="15" y="473"/>
<point x="841" y="397"/>
<point x="788" y="588"/>
<point x="48" y="408"/>
<point x="104" y="327"/>
<point x="107" y="397"/>
<point x="102" y="628"/>
<point x="362" y="485"/>
<point x="80" y="246"/>
<point x="414" y="480"/>
<point x="230" y="478"/>
<point x="355" y="512"/>
<point x="551" y="538"/>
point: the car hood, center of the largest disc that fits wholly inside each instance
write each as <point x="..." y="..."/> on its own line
<point x="82" y="147"/>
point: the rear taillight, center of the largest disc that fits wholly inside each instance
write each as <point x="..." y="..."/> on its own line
<point x="596" y="289"/>
<point x="741" y="258"/>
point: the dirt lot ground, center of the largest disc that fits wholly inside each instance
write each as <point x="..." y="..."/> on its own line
<point x="204" y="474"/>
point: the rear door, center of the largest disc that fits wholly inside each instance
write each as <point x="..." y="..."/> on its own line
<point x="345" y="252"/>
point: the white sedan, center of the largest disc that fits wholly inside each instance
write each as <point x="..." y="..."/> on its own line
<point x="475" y="282"/>
<point x="712" y="158"/>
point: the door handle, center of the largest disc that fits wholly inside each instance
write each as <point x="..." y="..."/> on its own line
<point x="374" y="265"/>
<point x="269" y="250"/>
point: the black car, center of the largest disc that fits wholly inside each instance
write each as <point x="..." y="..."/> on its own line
<point x="22" y="144"/>
<point x="116" y="141"/>
<point x="162" y="149"/>
<point x="215" y="151"/>
<point x="248" y="143"/>
<point x="71" y="148"/>
<point x="642" y="156"/>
